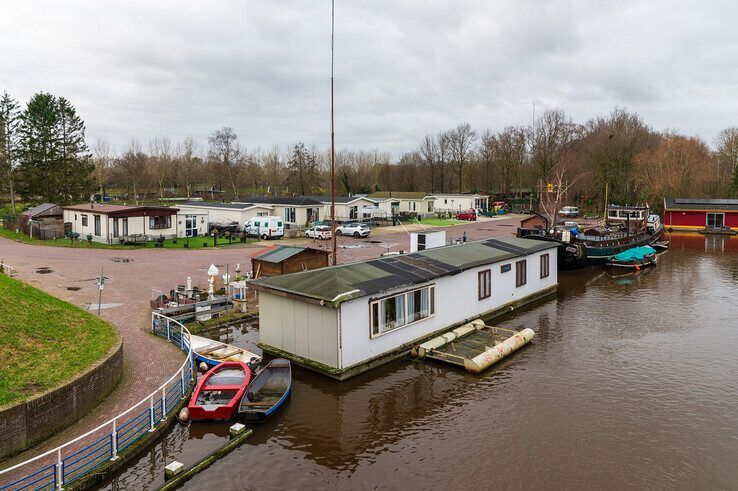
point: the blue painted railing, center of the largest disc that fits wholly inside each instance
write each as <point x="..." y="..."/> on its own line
<point x="109" y="440"/>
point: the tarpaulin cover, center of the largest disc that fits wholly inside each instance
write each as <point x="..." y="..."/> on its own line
<point x="635" y="254"/>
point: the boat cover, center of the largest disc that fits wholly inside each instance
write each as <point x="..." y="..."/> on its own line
<point x="635" y="254"/>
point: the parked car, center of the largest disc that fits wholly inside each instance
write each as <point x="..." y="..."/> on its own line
<point x="319" y="232"/>
<point x="267" y="227"/>
<point x="569" y="212"/>
<point x="469" y="215"/>
<point x="354" y="229"/>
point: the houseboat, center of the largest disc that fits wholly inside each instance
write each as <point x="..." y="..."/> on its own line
<point x="343" y="320"/>
<point x="624" y="227"/>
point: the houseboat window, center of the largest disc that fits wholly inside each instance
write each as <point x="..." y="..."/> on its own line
<point x="97" y="225"/>
<point x="612" y="213"/>
<point x="544" y="265"/>
<point x="84" y="220"/>
<point x="505" y="268"/>
<point x="75" y="217"/>
<point x="484" y="284"/>
<point x="715" y="220"/>
<point x="289" y="215"/>
<point x="160" y="222"/>
<point x="521" y="273"/>
<point x="400" y="310"/>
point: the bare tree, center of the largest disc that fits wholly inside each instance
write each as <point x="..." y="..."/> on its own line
<point x="225" y="153"/>
<point x="429" y="155"/>
<point x="553" y="133"/>
<point x="444" y="156"/>
<point x="726" y="145"/>
<point x="132" y="168"/>
<point x="187" y="164"/>
<point x="102" y="159"/>
<point x="554" y="191"/>
<point x="462" y="142"/>
<point x="302" y="177"/>
<point x="160" y="162"/>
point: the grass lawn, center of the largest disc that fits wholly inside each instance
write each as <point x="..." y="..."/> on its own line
<point x="440" y="222"/>
<point x="195" y="242"/>
<point x="45" y="341"/>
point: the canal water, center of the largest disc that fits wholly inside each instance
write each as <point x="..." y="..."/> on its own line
<point x="631" y="381"/>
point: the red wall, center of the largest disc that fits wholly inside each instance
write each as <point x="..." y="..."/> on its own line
<point x="678" y="218"/>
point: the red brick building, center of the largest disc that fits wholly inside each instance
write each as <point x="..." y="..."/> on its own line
<point x="694" y="214"/>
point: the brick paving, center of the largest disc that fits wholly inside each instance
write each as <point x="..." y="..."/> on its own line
<point x="149" y="360"/>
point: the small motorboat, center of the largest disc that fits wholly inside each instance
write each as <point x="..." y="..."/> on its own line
<point x="268" y="391"/>
<point x="635" y="258"/>
<point x="661" y="245"/>
<point x="219" y="391"/>
<point x="213" y="352"/>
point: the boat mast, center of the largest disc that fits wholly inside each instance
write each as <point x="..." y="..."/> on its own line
<point x="604" y="213"/>
<point x="333" y="147"/>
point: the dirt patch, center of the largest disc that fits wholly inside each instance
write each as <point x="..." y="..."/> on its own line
<point x="74" y="288"/>
<point x="121" y="260"/>
<point x="44" y="270"/>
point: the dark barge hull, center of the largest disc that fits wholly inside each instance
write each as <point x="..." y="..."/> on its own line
<point x="580" y="254"/>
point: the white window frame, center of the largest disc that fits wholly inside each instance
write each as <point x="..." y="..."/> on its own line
<point x="714" y="215"/>
<point x="290" y="214"/>
<point x="431" y="309"/>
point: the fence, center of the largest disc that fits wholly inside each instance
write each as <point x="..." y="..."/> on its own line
<point x="68" y="462"/>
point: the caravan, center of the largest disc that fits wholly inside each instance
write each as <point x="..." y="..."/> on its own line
<point x="266" y="227"/>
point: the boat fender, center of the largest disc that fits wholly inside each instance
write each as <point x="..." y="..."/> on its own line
<point x="203" y="366"/>
<point x="250" y="396"/>
<point x="184" y="415"/>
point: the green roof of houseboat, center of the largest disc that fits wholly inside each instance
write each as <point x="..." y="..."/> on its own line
<point x="336" y="284"/>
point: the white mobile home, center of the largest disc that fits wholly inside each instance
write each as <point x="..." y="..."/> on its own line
<point x="454" y="203"/>
<point x="226" y="212"/>
<point x="394" y="202"/>
<point x="348" y="208"/>
<point x="297" y="211"/>
<point x="111" y="223"/>
<point x="345" y="319"/>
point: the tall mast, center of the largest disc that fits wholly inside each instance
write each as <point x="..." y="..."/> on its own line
<point x="333" y="147"/>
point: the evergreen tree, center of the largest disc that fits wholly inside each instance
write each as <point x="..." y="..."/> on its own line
<point x="53" y="162"/>
<point x="9" y="121"/>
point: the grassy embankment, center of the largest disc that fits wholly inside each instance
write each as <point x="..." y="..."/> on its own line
<point x="194" y="242"/>
<point x="45" y="341"/>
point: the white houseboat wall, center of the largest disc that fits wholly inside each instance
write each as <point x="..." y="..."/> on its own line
<point x="344" y="320"/>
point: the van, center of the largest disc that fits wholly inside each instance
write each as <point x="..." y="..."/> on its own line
<point x="267" y="227"/>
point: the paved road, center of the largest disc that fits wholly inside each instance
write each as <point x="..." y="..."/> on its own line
<point x="149" y="361"/>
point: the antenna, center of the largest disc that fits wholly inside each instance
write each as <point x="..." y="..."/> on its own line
<point x="333" y="144"/>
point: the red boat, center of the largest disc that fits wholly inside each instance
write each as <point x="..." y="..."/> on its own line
<point x="219" y="392"/>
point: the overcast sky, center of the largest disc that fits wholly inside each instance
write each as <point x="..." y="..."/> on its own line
<point x="403" y="68"/>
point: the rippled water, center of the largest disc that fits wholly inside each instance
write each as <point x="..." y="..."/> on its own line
<point x="631" y="382"/>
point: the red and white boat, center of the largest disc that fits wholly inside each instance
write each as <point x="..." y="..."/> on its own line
<point x="219" y="392"/>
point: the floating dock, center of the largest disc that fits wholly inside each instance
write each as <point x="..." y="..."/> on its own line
<point x="474" y="346"/>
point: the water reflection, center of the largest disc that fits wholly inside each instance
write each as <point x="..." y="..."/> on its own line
<point x="625" y="384"/>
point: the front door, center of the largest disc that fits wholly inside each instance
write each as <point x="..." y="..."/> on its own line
<point x="115" y="227"/>
<point x="715" y="220"/>
<point x="190" y="226"/>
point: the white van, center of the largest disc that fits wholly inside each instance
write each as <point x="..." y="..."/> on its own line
<point x="268" y="227"/>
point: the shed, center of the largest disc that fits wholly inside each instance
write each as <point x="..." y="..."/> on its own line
<point x="343" y="320"/>
<point x="43" y="221"/>
<point x="280" y="259"/>
<point x="697" y="214"/>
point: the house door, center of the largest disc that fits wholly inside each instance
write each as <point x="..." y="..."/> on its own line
<point x="125" y="226"/>
<point x="97" y="225"/>
<point x="715" y="220"/>
<point x="115" y="227"/>
<point x="190" y="226"/>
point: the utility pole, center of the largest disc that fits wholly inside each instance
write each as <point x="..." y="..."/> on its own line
<point x="333" y="145"/>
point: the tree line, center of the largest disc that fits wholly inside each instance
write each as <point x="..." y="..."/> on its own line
<point x="44" y="156"/>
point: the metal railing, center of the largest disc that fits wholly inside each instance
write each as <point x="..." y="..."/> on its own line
<point x="78" y="457"/>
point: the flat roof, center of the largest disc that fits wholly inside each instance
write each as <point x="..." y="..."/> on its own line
<point x="399" y="195"/>
<point x="282" y="200"/>
<point x="280" y="253"/>
<point x="360" y="279"/>
<point x="225" y="206"/>
<point x="120" y="210"/>
<point x="700" y="204"/>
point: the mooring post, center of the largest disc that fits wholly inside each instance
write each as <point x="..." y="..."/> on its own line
<point x="163" y="402"/>
<point x="167" y="328"/>
<point x="151" y="412"/>
<point x="59" y="470"/>
<point x="114" y="439"/>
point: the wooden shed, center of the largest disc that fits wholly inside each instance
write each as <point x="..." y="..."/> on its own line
<point x="280" y="259"/>
<point x="43" y="221"/>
